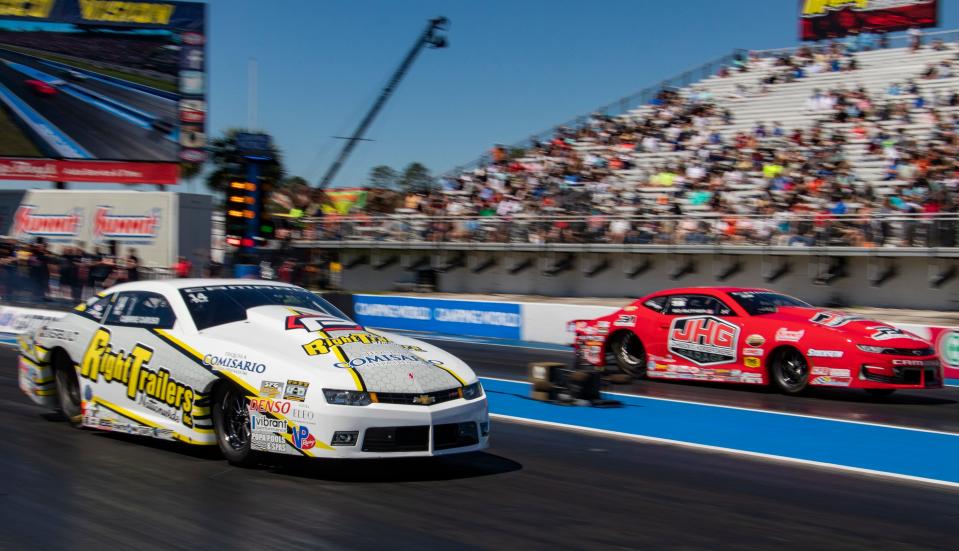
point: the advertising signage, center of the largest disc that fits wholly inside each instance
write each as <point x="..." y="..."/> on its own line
<point x="823" y="19"/>
<point x="94" y="81"/>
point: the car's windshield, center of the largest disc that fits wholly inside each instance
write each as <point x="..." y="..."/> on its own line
<point x="764" y="302"/>
<point x="212" y="305"/>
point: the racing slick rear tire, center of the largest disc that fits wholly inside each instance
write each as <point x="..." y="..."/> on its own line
<point x="68" y="388"/>
<point x="231" y="423"/>
<point x="629" y="353"/>
<point x="789" y="371"/>
<point x="879" y="392"/>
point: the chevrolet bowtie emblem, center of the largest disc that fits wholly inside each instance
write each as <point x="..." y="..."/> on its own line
<point x="424" y="399"/>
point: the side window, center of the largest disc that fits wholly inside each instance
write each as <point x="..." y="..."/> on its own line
<point x="141" y="309"/>
<point x="697" y="304"/>
<point x="95" y="308"/>
<point x="656" y="304"/>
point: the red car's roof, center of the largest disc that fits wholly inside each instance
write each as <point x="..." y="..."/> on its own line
<point x="681" y="290"/>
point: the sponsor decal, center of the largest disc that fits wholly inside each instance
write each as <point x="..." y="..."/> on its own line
<point x="301" y="414"/>
<point x="413" y="348"/>
<point x="705" y="340"/>
<point x="752" y="362"/>
<point x="302" y="439"/>
<point x="378" y="358"/>
<point x="819" y="371"/>
<point x="917" y="363"/>
<point x="753" y="352"/>
<point x="155" y="387"/>
<point x="785" y="335"/>
<point x="296" y="390"/>
<point x="624" y="321"/>
<point x="630" y="308"/>
<point x="271" y="389"/>
<point x="327" y="345"/>
<point x="815" y="353"/>
<point x="831" y="381"/>
<point x="885" y="332"/>
<point x="58" y="334"/>
<point x="602" y="324"/>
<point x="115" y="226"/>
<point x="839" y="373"/>
<point x="233" y="362"/>
<point x="834" y="319"/>
<point x="192" y="110"/>
<point x="267" y="442"/>
<point x="268" y="405"/>
<point x="261" y="423"/>
<point x="751" y="378"/>
<point x="319" y="322"/>
<point x="755" y="340"/>
<point x="27" y="222"/>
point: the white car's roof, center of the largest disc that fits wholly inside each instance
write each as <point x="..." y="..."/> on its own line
<point x="177" y="284"/>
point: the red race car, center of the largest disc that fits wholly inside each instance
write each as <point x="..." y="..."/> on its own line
<point x="41" y="88"/>
<point x="755" y="336"/>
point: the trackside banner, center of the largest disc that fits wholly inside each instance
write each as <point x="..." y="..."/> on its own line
<point x="821" y="19"/>
<point x="455" y="317"/>
<point x="17" y="321"/>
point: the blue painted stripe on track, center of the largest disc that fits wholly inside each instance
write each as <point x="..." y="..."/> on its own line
<point x="48" y="132"/>
<point x="898" y="451"/>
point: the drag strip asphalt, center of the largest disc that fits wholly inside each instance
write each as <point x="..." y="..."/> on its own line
<point x="535" y="487"/>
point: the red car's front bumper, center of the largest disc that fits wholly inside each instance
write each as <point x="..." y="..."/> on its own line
<point x="899" y="372"/>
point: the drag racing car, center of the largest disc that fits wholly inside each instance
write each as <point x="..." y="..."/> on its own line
<point x="755" y="336"/>
<point x="253" y="367"/>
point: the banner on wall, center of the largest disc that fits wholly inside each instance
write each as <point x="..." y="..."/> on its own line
<point x="822" y="19"/>
<point x="455" y="317"/>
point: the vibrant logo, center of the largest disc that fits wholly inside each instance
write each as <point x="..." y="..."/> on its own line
<point x="259" y="423"/>
<point x="132" y="370"/>
<point x="948" y="347"/>
<point x="705" y="340"/>
<point x="26" y="221"/>
<point x="125" y="226"/>
<point x="302" y="438"/>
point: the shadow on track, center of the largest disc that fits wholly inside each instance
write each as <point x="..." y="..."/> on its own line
<point x="426" y="469"/>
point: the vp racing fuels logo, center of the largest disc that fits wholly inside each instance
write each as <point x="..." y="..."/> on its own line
<point x="705" y="340"/>
<point x="154" y="388"/>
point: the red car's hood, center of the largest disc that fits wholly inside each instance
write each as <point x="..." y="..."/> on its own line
<point x="861" y="330"/>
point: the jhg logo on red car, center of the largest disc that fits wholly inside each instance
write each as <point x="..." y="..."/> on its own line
<point x="705" y="340"/>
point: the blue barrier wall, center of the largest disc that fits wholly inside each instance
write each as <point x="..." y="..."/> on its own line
<point x="456" y="317"/>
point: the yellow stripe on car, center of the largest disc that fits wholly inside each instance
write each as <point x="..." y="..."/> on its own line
<point x="131" y="415"/>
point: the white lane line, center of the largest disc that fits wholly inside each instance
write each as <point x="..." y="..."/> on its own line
<point x="757" y="410"/>
<point x="731" y="451"/>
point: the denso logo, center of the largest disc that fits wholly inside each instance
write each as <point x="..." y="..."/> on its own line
<point x="125" y="226"/>
<point x="26" y="221"/>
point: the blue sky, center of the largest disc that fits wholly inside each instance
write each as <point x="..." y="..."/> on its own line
<point x="513" y="68"/>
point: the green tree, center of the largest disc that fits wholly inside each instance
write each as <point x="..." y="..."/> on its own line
<point x="383" y="177"/>
<point x="416" y="177"/>
<point x="227" y="164"/>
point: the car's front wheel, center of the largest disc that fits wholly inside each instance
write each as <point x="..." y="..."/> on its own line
<point x="629" y="353"/>
<point x="231" y="422"/>
<point x="789" y="371"/>
<point x="68" y="388"/>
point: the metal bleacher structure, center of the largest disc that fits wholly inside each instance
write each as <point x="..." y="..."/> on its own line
<point x="496" y="255"/>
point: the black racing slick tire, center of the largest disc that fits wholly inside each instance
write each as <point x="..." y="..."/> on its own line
<point x="68" y="388"/>
<point x="879" y="392"/>
<point x="231" y="423"/>
<point x="629" y="354"/>
<point x="789" y="371"/>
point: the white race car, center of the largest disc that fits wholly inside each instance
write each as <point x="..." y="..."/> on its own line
<point x="254" y="367"/>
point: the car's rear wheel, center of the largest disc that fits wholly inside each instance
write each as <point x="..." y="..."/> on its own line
<point x="68" y="388"/>
<point x="879" y="392"/>
<point x="231" y="423"/>
<point x="629" y="353"/>
<point x="789" y="371"/>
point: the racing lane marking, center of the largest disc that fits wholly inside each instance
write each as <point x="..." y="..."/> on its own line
<point x="731" y="451"/>
<point x="896" y="450"/>
<point x="756" y="410"/>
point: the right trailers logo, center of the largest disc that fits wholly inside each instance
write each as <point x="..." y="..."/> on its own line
<point x="704" y="340"/>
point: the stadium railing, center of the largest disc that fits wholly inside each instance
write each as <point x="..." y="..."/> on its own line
<point x="877" y="231"/>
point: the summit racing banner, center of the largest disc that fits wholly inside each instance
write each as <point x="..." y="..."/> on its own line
<point x="821" y="19"/>
<point x="52" y="170"/>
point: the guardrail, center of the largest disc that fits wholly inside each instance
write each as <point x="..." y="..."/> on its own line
<point x="775" y="230"/>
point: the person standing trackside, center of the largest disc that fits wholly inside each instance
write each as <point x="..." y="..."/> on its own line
<point x="133" y="266"/>
<point x="182" y="268"/>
